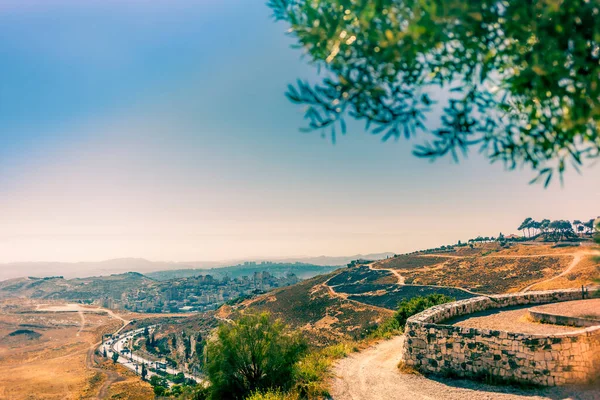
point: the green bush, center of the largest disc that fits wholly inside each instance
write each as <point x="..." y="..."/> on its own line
<point x="273" y="395"/>
<point x="253" y="354"/>
<point x="408" y="308"/>
<point x="313" y="369"/>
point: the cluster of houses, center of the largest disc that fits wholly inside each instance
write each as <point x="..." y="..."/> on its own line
<point x="198" y="293"/>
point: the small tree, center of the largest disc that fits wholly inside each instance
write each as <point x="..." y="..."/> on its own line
<point x="252" y="354"/>
<point x="144" y="371"/>
<point x="115" y="357"/>
<point x="415" y="305"/>
<point x="104" y="353"/>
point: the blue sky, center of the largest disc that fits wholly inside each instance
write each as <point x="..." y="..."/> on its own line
<point x="160" y="129"/>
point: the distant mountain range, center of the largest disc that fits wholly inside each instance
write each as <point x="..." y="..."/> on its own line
<point x="121" y="265"/>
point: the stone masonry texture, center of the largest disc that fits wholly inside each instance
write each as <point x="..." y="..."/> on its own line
<point x="547" y="360"/>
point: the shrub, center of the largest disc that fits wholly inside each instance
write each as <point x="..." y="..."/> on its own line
<point x="408" y="308"/>
<point x="253" y="354"/>
<point x="273" y="395"/>
<point x="312" y="370"/>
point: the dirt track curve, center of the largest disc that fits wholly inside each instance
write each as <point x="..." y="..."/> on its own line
<point x="91" y="362"/>
<point x="111" y="376"/>
<point x="576" y="259"/>
<point x="373" y="375"/>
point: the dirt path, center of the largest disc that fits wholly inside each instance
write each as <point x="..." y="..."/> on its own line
<point x="111" y="376"/>
<point x="576" y="259"/>
<point x="82" y="317"/>
<point x="401" y="280"/>
<point x="391" y="270"/>
<point x="373" y="375"/>
<point x="91" y="362"/>
<point x="505" y="255"/>
<point x="343" y="296"/>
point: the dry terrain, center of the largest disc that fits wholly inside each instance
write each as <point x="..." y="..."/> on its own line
<point x="349" y="302"/>
<point x="589" y="308"/>
<point x="322" y="315"/>
<point x="49" y="355"/>
<point x="373" y="375"/>
<point x="514" y="319"/>
<point x="492" y="269"/>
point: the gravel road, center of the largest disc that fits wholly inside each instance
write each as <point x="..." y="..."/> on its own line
<point x="373" y="375"/>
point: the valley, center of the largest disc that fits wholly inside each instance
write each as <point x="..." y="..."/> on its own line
<point x="46" y="335"/>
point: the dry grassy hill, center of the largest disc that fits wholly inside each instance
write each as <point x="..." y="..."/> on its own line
<point x="350" y="301"/>
<point x="50" y="356"/>
<point x="76" y="289"/>
<point x="323" y="316"/>
<point x="491" y="269"/>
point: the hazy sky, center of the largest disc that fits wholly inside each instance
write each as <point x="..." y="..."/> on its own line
<point x="159" y="129"/>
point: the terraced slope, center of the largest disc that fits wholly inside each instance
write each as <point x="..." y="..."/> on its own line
<point x="324" y="316"/>
<point x="349" y="302"/>
<point x="491" y="269"/>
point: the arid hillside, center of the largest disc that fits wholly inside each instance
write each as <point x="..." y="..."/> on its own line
<point x="50" y="355"/>
<point x="56" y="287"/>
<point x="490" y="269"/>
<point x="349" y="302"/>
<point x="323" y="315"/>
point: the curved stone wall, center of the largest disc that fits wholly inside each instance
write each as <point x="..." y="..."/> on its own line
<point x="556" y="319"/>
<point x="557" y="359"/>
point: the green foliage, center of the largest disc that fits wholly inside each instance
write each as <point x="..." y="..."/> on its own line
<point x="115" y="357"/>
<point x="156" y="380"/>
<point x="198" y="392"/>
<point x="388" y="328"/>
<point x="556" y="230"/>
<point x="312" y="371"/>
<point x="144" y="372"/>
<point x="179" y="378"/>
<point x="408" y="308"/>
<point x="252" y="354"/>
<point x="520" y="80"/>
<point x="273" y="395"/>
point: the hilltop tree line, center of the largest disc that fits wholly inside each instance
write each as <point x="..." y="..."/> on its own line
<point x="557" y="229"/>
<point x="546" y="230"/>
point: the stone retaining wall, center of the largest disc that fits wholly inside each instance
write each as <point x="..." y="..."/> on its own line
<point x="557" y="359"/>
<point x="556" y="319"/>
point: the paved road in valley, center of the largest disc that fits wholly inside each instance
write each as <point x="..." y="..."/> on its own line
<point x="134" y="362"/>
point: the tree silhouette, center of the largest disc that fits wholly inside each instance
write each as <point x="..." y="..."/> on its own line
<point x="520" y="80"/>
<point x="590" y="226"/>
<point x="144" y="372"/>
<point x="525" y="224"/>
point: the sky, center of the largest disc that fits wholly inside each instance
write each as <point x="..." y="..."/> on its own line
<point x="159" y="129"/>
